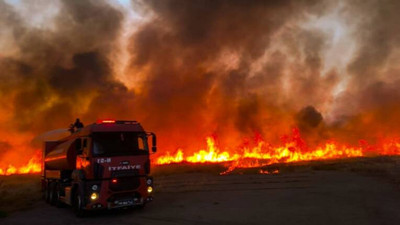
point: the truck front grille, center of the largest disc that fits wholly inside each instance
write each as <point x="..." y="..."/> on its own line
<point x="125" y="173"/>
<point x="125" y="184"/>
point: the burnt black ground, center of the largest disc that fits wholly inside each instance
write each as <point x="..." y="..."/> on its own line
<point x="312" y="197"/>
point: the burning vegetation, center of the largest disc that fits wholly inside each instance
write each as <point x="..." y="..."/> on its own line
<point x="246" y="84"/>
<point x="293" y="148"/>
<point x="255" y="154"/>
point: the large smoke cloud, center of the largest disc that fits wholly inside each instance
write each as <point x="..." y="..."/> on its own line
<point x="220" y="67"/>
<point x="225" y="68"/>
<point x="58" y="71"/>
<point x="369" y="107"/>
<point x="52" y="74"/>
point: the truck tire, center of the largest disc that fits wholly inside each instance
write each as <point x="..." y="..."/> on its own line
<point x="53" y="198"/>
<point x="59" y="203"/>
<point x="47" y="193"/>
<point x="44" y="190"/>
<point x="78" y="204"/>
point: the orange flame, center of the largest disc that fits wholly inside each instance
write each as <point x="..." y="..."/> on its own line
<point x="293" y="149"/>
<point x="32" y="166"/>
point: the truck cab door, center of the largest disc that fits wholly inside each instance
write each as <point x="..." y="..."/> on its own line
<point x="83" y="159"/>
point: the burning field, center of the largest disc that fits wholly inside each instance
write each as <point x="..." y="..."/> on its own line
<point x="257" y="153"/>
<point x="242" y="84"/>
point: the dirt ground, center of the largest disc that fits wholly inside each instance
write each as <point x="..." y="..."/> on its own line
<point x="308" y="197"/>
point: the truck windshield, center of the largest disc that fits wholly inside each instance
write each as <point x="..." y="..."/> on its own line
<point x="119" y="143"/>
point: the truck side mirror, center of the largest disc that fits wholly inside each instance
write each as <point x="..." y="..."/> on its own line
<point x="154" y="142"/>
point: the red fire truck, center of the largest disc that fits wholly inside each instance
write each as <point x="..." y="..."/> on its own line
<point x="104" y="165"/>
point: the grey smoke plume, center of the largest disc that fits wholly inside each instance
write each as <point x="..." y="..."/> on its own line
<point x="56" y="70"/>
<point x="183" y="44"/>
<point x="224" y="68"/>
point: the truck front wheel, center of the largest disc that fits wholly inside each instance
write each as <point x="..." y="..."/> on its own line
<point x="78" y="204"/>
<point x="47" y="193"/>
<point x="53" y="196"/>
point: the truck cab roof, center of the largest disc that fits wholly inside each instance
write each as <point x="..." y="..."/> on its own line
<point x="107" y="126"/>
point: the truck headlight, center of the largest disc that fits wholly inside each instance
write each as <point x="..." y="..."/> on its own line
<point x="149" y="189"/>
<point x="94" y="196"/>
<point x="95" y="187"/>
<point x="149" y="182"/>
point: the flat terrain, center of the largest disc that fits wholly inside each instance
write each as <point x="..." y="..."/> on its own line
<point x="299" y="197"/>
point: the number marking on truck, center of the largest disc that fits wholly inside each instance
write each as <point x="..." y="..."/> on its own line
<point x="127" y="167"/>
<point x="104" y="160"/>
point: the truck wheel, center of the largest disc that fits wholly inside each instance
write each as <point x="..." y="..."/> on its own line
<point x="78" y="204"/>
<point x="44" y="189"/>
<point x="47" y="193"/>
<point x="53" y="198"/>
<point x="59" y="203"/>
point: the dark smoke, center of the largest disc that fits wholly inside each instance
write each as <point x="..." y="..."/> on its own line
<point x="224" y="68"/>
<point x="59" y="70"/>
<point x="186" y="39"/>
<point x="308" y="117"/>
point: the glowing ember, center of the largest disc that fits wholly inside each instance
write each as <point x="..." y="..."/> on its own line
<point x="269" y="172"/>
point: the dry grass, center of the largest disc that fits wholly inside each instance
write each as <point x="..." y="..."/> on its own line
<point x="382" y="165"/>
<point x="166" y="170"/>
<point x="18" y="192"/>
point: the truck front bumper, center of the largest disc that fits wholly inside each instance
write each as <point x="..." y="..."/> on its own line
<point x="128" y="202"/>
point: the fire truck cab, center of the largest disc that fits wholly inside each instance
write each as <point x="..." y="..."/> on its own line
<point x="104" y="165"/>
